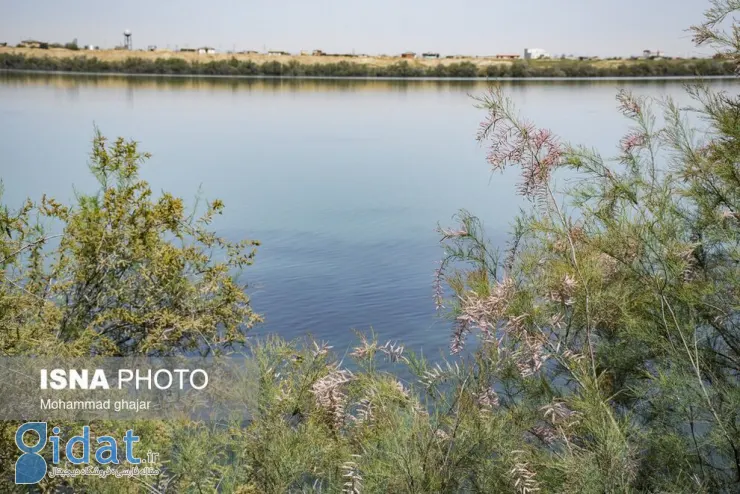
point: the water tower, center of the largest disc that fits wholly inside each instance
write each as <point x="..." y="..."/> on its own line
<point x="127" y="39"/>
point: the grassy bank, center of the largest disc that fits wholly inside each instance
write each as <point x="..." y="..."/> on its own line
<point x="148" y="63"/>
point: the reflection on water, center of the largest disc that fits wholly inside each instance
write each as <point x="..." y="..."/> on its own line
<point x="278" y="84"/>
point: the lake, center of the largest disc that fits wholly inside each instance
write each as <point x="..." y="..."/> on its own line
<point x="343" y="181"/>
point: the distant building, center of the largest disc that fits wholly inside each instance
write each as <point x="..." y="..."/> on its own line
<point x="305" y="53"/>
<point x="507" y="57"/>
<point x="92" y="47"/>
<point x="430" y="55"/>
<point x="29" y="43"/>
<point x="277" y="53"/>
<point x="206" y="50"/>
<point x="650" y="55"/>
<point x="318" y="53"/>
<point x="408" y="54"/>
<point x="188" y="50"/>
<point x="535" y="54"/>
<point x="152" y="48"/>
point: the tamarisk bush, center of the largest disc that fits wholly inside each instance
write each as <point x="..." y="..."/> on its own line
<point x="606" y="355"/>
<point x="615" y="311"/>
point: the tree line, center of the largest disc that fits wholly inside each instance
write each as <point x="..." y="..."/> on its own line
<point x="293" y="68"/>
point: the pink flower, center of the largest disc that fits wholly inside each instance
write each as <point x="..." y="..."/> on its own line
<point x="536" y="151"/>
<point x="558" y="413"/>
<point x="438" y="289"/>
<point x="727" y="214"/>
<point x="632" y="140"/>
<point x="483" y="313"/>
<point x="487" y="399"/>
<point x="458" y="336"/>
<point x="448" y="233"/>
<point x="629" y="105"/>
<point x="565" y="290"/>
<point x="531" y="356"/>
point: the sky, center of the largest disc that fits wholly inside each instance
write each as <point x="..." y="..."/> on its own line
<point x="472" y="27"/>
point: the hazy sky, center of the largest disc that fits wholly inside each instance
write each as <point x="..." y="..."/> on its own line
<point x="481" y="27"/>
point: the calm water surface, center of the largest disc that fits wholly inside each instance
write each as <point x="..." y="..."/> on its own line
<point x="343" y="182"/>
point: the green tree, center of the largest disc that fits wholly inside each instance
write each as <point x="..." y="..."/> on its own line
<point x="120" y="272"/>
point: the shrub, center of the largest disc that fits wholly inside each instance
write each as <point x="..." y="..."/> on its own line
<point x="112" y="280"/>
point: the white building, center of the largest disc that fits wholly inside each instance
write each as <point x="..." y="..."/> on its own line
<point x="206" y="50"/>
<point x="535" y="54"/>
<point x="652" y="54"/>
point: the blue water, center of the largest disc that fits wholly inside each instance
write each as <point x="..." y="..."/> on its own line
<point x="343" y="182"/>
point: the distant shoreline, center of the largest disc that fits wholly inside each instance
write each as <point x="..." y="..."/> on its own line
<point x="324" y="67"/>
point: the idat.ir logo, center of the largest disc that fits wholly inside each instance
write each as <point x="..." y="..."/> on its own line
<point x="31" y="439"/>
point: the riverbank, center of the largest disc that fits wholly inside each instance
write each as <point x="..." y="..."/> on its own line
<point x="177" y="63"/>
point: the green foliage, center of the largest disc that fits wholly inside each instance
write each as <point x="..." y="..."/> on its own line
<point x="124" y="273"/>
<point x="293" y="68"/>
<point x="121" y="272"/>
<point x="614" y="315"/>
